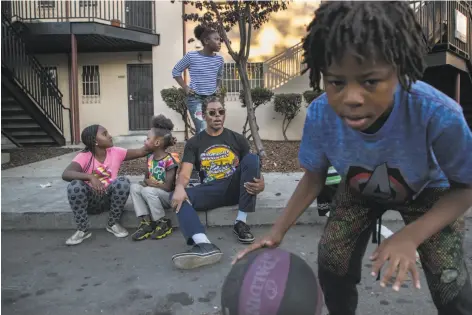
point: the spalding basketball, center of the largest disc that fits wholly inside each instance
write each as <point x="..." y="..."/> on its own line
<point x="271" y="282"/>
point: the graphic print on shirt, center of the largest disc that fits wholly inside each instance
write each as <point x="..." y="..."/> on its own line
<point x="157" y="169"/>
<point x="218" y="162"/>
<point x="383" y="183"/>
<point x="103" y="174"/>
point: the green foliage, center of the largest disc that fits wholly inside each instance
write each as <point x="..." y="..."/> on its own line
<point x="175" y="99"/>
<point x="288" y="105"/>
<point x="311" y="95"/>
<point x="260" y="96"/>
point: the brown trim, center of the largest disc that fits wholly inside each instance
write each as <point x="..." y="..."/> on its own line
<point x="184" y="38"/>
<point x="75" y="89"/>
<point x="458" y="87"/>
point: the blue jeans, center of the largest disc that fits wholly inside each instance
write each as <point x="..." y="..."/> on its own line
<point x="194" y="105"/>
<point x="219" y="193"/>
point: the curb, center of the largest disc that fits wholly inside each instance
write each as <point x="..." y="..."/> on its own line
<point x="64" y="220"/>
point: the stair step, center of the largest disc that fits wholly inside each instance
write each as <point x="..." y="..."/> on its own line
<point x="28" y="133"/>
<point x="20" y="125"/>
<point x="17" y="117"/>
<point x="36" y="140"/>
<point x="11" y="109"/>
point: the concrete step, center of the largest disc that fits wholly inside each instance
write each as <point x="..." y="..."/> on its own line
<point x="28" y="206"/>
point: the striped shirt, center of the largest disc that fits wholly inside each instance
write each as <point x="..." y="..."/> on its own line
<point x="204" y="71"/>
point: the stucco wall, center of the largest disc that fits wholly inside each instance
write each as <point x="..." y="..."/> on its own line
<point x="112" y="108"/>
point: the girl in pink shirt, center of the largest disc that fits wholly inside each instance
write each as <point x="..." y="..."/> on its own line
<point x="94" y="183"/>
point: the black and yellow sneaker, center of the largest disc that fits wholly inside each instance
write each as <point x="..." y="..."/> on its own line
<point x="163" y="229"/>
<point x="144" y="231"/>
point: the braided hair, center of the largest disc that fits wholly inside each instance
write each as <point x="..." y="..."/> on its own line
<point x="89" y="139"/>
<point x="370" y="30"/>
<point x="162" y="127"/>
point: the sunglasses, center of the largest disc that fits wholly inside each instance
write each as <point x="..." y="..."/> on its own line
<point x="221" y="112"/>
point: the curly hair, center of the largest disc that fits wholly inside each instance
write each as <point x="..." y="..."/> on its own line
<point x="201" y="32"/>
<point x="370" y="30"/>
<point x="162" y="127"/>
<point x="208" y="100"/>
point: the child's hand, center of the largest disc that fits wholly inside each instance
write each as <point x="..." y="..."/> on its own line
<point x="151" y="182"/>
<point x="400" y="251"/>
<point x="97" y="185"/>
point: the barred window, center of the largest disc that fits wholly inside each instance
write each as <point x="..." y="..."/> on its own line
<point x="231" y="77"/>
<point x="88" y="3"/>
<point x="47" y="4"/>
<point x="90" y="84"/>
<point x="52" y="73"/>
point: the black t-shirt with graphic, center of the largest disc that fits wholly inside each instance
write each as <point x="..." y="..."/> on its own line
<point x="216" y="157"/>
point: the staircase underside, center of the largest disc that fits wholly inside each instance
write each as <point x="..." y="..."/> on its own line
<point x="23" y="122"/>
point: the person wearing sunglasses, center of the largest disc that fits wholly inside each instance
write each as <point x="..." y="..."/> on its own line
<point x="230" y="176"/>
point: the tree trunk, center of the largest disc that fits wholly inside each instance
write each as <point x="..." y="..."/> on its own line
<point x="186" y="126"/>
<point x="284" y="129"/>
<point x="242" y="67"/>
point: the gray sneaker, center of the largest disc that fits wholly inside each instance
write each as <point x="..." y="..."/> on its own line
<point x="117" y="230"/>
<point x="78" y="237"/>
<point x="199" y="255"/>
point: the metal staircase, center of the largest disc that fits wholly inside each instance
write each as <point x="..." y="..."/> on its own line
<point x="32" y="109"/>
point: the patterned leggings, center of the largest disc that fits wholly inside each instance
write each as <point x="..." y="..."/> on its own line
<point x="344" y="243"/>
<point x="84" y="200"/>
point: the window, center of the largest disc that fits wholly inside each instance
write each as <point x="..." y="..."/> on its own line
<point x="231" y="78"/>
<point x="47" y="4"/>
<point x="88" y="3"/>
<point x="90" y="84"/>
<point x="46" y="83"/>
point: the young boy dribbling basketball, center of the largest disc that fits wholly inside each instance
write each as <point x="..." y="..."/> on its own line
<point x="397" y="142"/>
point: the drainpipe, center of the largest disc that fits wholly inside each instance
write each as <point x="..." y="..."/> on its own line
<point x="74" y="89"/>
<point x="458" y="88"/>
<point x="184" y="39"/>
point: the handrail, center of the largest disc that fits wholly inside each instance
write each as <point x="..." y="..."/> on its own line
<point x="139" y="15"/>
<point x="30" y="75"/>
<point x="283" y="67"/>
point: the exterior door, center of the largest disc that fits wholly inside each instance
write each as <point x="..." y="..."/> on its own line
<point x="140" y="96"/>
<point x="139" y="15"/>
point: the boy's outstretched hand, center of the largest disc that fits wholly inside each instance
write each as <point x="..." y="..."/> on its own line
<point x="400" y="251"/>
<point x="273" y="239"/>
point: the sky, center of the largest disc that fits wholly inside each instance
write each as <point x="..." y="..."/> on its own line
<point x="284" y="29"/>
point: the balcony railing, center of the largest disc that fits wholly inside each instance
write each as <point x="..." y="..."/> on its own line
<point x="446" y="25"/>
<point x="136" y="15"/>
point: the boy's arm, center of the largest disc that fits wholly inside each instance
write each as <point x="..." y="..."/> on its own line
<point x="306" y="192"/>
<point x="186" y="167"/>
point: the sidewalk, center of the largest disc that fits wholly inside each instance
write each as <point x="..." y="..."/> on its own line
<point x="26" y="205"/>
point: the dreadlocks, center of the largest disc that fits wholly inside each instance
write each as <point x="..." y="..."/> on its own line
<point x="162" y="127"/>
<point x="369" y="30"/>
<point x="89" y="139"/>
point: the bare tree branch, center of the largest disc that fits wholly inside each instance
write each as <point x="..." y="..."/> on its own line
<point x="222" y="30"/>
<point x="249" y="30"/>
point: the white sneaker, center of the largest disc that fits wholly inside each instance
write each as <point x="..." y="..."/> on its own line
<point x="117" y="230"/>
<point x="78" y="237"/>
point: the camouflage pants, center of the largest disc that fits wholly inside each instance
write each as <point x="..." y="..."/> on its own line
<point x="345" y="240"/>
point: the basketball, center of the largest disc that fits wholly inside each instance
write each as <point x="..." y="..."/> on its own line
<point x="271" y="282"/>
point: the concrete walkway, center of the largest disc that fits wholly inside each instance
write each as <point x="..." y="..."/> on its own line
<point x="34" y="197"/>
